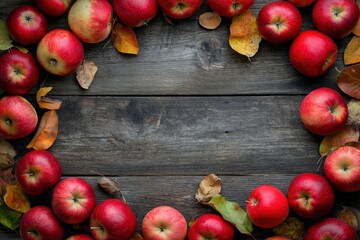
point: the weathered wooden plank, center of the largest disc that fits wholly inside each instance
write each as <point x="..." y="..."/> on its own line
<point x="145" y="192"/>
<point x="186" y="59"/>
<point x="183" y="136"/>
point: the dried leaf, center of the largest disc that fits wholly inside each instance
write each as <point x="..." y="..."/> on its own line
<point x="137" y="236"/>
<point x="5" y="40"/>
<point x="6" y="161"/>
<point x="348" y="80"/>
<point x="15" y="198"/>
<point x="352" y="51"/>
<point x="338" y="139"/>
<point x="46" y="102"/>
<point x="124" y="39"/>
<point x="7" y="148"/>
<point x="354" y="112"/>
<point x="232" y="213"/>
<point x="8" y="217"/>
<point x="167" y="19"/>
<point x="356" y="29"/>
<point x="108" y="185"/>
<point x="47" y="131"/>
<point x="292" y="228"/>
<point x="244" y="34"/>
<point x="209" y="187"/>
<point x="349" y="215"/>
<point x="210" y="20"/>
<point x="22" y="49"/>
<point x="85" y="73"/>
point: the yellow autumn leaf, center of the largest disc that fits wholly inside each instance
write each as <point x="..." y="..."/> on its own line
<point x="244" y="34"/>
<point x="15" y="198"/>
<point x="46" y="102"/>
<point x="352" y="51"/>
<point x="124" y="39"/>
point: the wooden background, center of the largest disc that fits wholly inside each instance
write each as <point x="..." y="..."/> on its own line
<point x="186" y="106"/>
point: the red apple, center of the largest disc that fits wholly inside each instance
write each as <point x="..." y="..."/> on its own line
<point x="18" y="117"/>
<point x="330" y="229"/>
<point x="91" y="20"/>
<point x="267" y="206"/>
<point x="60" y="52"/>
<point x="164" y="223"/>
<point x="279" y="22"/>
<point x="73" y="200"/>
<point x="312" y="53"/>
<point x="211" y="226"/>
<point x="40" y="223"/>
<point x="229" y="8"/>
<point x="310" y="195"/>
<point x="19" y="71"/>
<point x="336" y="18"/>
<point x="323" y="111"/>
<point x="179" y="9"/>
<point x="135" y="13"/>
<point x="26" y="25"/>
<point x="278" y="238"/>
<point x="38" y="171"/>
<point x="112" y="219"/>
<point x="342" y="168"/>
<point x="80" y="237"/>
<point x="53" y="8"/>
<point x="302" y="3"/>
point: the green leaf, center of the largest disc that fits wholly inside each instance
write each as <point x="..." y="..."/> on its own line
<point x="8" y="217"/>
<point x="232" y="213"/>
<point x="5" y="40"/>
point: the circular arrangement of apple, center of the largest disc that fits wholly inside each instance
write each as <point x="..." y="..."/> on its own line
<point x="323" y="112"/>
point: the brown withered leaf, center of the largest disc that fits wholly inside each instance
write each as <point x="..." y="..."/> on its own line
<point x="349" y="215"/>
<point x="352" y="51"/>
<point x="47" y="131"/>
<point x="354" y="112"/>
<point x="244" y="34"/>
<point x="46" y="102"/>
<point x="209" y="186"/>
<point x="6" y="161"/>
<point x="16" y="199"/>
<point x="108" y="185"/>
<point x="7" y="148"/>
<point x="292" y="228"/>
<point x="137" y="236"/>
<point x="85" y="73"/>
<point x="348" y="80"/>
<point x="124" y="39"/>
<point x="210" y="20"/>
<point x="338" y="139"/>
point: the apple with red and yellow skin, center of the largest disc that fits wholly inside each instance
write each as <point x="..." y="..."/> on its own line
<point x="37" y="171"/>
<point x="342" y="168"/>
<point x="179" y="9"/>
<point x="310" y="195"/>
<point x="164" y="223"/>
<point x="135" y="13"/>
<point x="302" y="3"/>
<point x="112" y="219"/>
<point x="53" y="8"/>
<point x="80" y="237"/>
<point x="40" y="223"/>
<point x="279" y="22"/>
<point x="211" y="226"/>
<point x="278" y="238"/>
<point x="330" y="229"/>
<point x="312" y="53"/>
<point x="267" y="206"/>
<point x="73" y="200"/>
<point x="60" y="52"/>
<point x="335" y="18"/>
<point x="26" y="24"/>
<point x="323" y="111"/>
<point x="229" y="8"/>
<point x="18" y="117"/>
<point x="19" y="71"/>
<point x="91" y="20"/>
